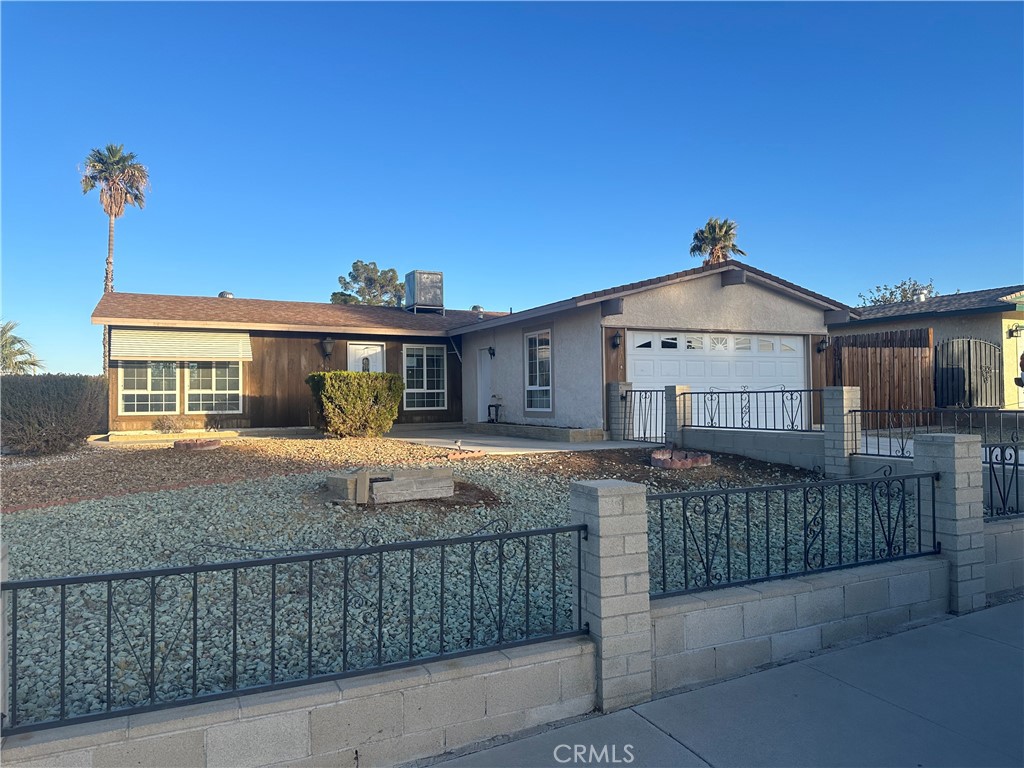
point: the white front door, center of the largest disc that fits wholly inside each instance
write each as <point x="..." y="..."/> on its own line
<point x="368" y="358"/>
<point x="483" y="383"/>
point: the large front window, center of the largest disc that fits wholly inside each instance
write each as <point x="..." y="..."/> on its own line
<point x="213" y="388"/>
<point x="149" y="387"/>
<point x="425" y="377"/>
<point x="538" y="371"/>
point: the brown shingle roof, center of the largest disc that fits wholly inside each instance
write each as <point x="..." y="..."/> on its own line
<point x="153" y="310"/>
<point x="989" y="299"/>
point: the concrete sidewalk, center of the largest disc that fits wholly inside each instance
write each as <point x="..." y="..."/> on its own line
<point x="445" y="437"/>
<point x="947" y="694"/>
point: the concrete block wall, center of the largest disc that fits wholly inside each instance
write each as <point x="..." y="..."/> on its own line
<point x="615" y="403"/>
<point x="798" y="449"/>
<point x="842" y="428"/>
<point x="720" y="633"/>
<point x="375" y="720"/>
<point x="1004" y="555"/>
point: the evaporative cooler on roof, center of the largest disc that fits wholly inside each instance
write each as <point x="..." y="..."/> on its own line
<point x="424" y="291"/>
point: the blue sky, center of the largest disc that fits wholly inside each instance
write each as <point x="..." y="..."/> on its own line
<point x="529" y="151"/>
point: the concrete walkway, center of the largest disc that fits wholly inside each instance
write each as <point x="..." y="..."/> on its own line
<point x="948" y="694"/>
<point x="445" y="437"/>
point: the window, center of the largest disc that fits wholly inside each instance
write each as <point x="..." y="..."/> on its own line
<point x="670" y="342"/>
<point x="719" y="343"/>
<point x="644" y="340"/>
<point x="765" y="345"/>
<point x="789" y="345"/>
<point x="149" y="387"/>
<point x="742" y="343"/>
<point x="695" y="342"/>
<point x="213" y="388"/>
<point x="538" y="371"/>
<point x="425" y="377"/>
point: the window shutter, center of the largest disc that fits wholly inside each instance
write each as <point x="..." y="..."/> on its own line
<point x="128" y="344"/>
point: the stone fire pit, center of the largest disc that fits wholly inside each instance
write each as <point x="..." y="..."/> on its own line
<point x="368" y="486"/>
<point x="668" y="458"/>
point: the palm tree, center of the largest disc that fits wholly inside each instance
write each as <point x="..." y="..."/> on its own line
<point x="122" y="181"/>
<point x="16" y="355"/>
<point x="716" y="241"/>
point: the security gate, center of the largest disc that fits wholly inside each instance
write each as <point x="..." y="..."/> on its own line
<point x="968" y="374"/>
<point x="644" y="415"/>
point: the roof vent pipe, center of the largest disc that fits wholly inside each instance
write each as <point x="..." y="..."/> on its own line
<point x="225" y="295"/>
<point x="922" y="295"/>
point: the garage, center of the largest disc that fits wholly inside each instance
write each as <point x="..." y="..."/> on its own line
<point x="716" y="363"/>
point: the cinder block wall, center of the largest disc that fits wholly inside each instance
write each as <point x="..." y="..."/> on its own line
<point x="1004" y="555"/>
<point x="799" y="449"/>
<point x="716" y="634"/>
<point x="376" y="720"/>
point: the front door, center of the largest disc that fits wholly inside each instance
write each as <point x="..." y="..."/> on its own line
<point x="483" y="383"/>
<point x="368" y="358"/>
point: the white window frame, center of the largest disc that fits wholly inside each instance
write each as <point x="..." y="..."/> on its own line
<point x="551" y="372"/>
<point x="188" y="388"/>
<point x="149" y="388"/>
<point x="423" y="389"/>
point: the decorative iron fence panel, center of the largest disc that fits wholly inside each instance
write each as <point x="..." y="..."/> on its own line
<point x="91" y="647"/>
<point x="791" y="410"/>
<point x="891" y="432"/>
<point x="1001" y="466"/>
<point x="644" y="415"/>
<point x="968" y="373"/>
<point x="705" y="539"/>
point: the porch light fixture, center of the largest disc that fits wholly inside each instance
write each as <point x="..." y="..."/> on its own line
<point x="490" y="351"/>
<point x="824" y="344"/>
<point x="616" y="340"/>
<point x="1015" y="331"/>
<point x="327" y="346"/>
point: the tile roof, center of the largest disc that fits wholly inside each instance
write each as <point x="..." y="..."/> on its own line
<point x="990" y="299"/>
<point x="153" y="310"/>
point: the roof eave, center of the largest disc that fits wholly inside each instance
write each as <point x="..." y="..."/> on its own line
<point x="929" y="315"/>
<point x="227" y="325"/>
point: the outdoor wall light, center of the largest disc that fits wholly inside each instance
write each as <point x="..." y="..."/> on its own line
<point x="1015" y="331"/>
<point x="616" y="340"/>
<point x="824" y="344"/>
<point x="327" y="346"/>
<point x="490" y="351"/>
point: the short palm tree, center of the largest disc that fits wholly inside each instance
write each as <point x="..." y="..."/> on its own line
<point x="16" y="356"/>
<point x="716" y="241"/>
<point x="122" y="181"/>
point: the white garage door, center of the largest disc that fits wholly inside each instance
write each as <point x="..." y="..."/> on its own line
<point x="715" y="363"/>
<point x="724" y="361"/>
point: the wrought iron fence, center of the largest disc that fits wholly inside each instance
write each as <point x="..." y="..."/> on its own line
<point x="891" y="432"/>
<point x="1001" y="466"/>
<point x="90" y="647"/>
<point x="714" y="538"/>
<point x="644" y="415"/>
<point x="793" y="410"/>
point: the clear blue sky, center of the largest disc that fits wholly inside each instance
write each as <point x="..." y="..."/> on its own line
<point x="529" y="151"/>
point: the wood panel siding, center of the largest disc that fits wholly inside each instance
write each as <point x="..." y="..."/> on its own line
<point x="614" y="359"/>
<point x="274" y="389"/>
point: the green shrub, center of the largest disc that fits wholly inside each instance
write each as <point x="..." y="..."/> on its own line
<point x="52" y="412"/>
<point x="354" y="404"/>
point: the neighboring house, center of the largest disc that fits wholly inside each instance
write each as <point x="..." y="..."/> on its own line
<point x="230" y="363"/>
<point x="976" y="340"/>
<point x="723" y="326"/>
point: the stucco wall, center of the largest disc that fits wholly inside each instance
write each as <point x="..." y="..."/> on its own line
<point x="703" y="304"/>
<point x="576" y="370"/>
<point x="1013" y="396"/>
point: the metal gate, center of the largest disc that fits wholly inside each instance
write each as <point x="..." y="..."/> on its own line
<point x="968" y="374"/>
<point x="644" y="415"/>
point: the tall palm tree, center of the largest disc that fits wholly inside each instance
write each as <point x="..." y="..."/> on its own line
<point x="16" y="356"/>
<point x="716" y="241"/>
<point x="122" y="181"/>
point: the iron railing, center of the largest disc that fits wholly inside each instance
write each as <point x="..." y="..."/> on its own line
<point x="644" y="415"/>
<point x="891" y="432"/>
<point x="792" y="410"/>
<point x="714" y="538"/>
<point x="90" y="647"/>
<point x="1001" y="466"/>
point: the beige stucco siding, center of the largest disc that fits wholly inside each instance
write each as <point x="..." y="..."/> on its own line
<point x="1013" y="396"/>
<point x="576" y="370"/>
<point x="705" y="305"/>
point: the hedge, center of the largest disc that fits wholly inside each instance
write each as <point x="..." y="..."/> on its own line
<point x="51" y="413"/>
<point x="356" y="404"/>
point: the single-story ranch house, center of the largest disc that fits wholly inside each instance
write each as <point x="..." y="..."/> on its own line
<point x="242" y="362"/>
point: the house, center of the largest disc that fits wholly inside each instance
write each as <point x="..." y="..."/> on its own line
<point x="973" y="341"/>
<point x="235" y="363"/>
<point x="243" y="362"/>
<point x="724" y="326"/>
